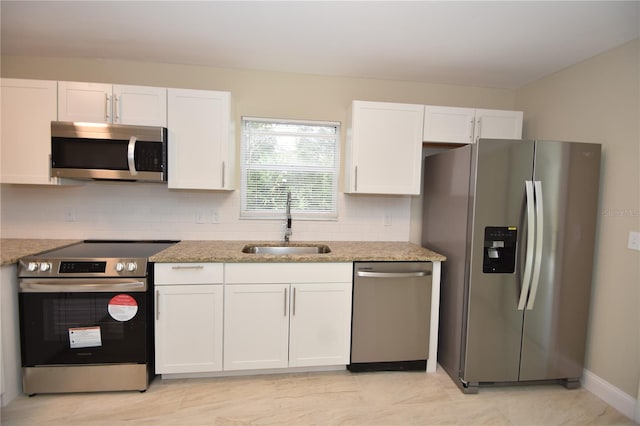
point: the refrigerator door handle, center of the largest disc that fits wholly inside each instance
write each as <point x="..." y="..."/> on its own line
<point x="531" y="226"/>
<point x="539" y="236"/>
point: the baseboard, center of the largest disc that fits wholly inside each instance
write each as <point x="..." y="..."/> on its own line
<point x="621" y="401"/>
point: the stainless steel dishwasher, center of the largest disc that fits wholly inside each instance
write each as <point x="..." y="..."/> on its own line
<point x="391" y="316"/>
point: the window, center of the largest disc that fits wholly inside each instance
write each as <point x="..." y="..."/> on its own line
<point x="279" y="156"/>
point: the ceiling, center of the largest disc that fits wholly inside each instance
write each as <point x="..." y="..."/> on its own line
<point x="502" y="44"/>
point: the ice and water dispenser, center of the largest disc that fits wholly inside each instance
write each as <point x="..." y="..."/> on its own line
<point x="499" y="249"/>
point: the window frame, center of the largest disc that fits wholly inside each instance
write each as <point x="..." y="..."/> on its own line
<point x="280" y="214"/>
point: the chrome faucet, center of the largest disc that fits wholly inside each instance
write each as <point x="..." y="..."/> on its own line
<point x="288" y="232"/>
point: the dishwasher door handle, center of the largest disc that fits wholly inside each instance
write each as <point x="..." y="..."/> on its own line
<point x="372" y="274"/>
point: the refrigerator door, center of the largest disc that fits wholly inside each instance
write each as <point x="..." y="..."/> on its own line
<point x="555" y="321"/>
<point x="492" y="340"/>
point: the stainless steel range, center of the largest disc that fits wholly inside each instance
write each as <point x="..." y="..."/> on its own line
<point x="86" y="321"/>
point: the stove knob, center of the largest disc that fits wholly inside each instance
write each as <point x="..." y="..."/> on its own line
<point x="32" y="266"/>
<point x="119" y="267"/>
<point x="132" y="266"/>
<point x="45" y="266"/>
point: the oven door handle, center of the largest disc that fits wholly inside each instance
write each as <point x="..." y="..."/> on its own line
<point x="65" y="286"/>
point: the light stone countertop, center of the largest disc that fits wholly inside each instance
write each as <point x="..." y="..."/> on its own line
<point x="341" y="251"/>
<point x="191" y="251"/>
<point x="12" y="249"/>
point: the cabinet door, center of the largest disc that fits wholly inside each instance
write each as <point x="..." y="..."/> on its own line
<point x="256" y="326"/>
<point x="498" y="124"/>
<point x="448" y="124"/>
<point x="199" y="139"/>
<point x="28" y="108"/>
<point x="188" y="328"/>
<point x="10" y="335"/>
<point x="89" y="102"/>
<point x="320" y="330"/>
<point x="141" y="105"/>
<point x="384" y="146"/>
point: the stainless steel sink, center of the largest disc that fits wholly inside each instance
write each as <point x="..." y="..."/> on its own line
<point x="286" y="249"/>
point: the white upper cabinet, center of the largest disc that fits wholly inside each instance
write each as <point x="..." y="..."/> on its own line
<point x="467" y="125"/>
<point x="498" y="124"/>
<point x="383" y="150"/>
<point x="106" y="103"/>
<point x="448" y="124"/>
<point x="201" y="144"/>
<point x="28" y="108"/>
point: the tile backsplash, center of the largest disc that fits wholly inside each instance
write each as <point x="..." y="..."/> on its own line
<point x="119" y="210"/>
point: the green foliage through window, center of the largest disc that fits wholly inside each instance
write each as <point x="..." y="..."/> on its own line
<point x="280" y="156"/>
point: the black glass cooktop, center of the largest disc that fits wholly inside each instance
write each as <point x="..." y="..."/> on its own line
<point x="91" y="249"/>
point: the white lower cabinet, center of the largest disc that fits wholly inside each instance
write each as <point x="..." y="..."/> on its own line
<point x="188" y="318"/>
<point x="272" y="315"/>
<point x="320" y="324"/>
<point x="287" y="315"/>
<point x="256" y="326"/>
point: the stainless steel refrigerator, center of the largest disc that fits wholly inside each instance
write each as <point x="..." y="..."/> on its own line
<point x="516" y="220"/>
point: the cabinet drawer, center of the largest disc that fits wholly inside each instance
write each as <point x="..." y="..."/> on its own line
<point x="188" y="273"/>
<point x="264" y="273"/>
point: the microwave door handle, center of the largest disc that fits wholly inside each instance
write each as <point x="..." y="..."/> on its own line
<point x="131" y="150"/>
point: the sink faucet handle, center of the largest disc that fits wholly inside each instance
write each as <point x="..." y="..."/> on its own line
<point x="288" y="232"/>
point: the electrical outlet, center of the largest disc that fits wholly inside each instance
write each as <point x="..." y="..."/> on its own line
<point x="201" y="216"/>
<point x="207" y="216"/>
<point x="634" y="240"/>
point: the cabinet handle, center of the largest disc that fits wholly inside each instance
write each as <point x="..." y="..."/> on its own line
<point x="355" y="180"/>
<point x="478" y="128"/>
<point x="188" y="267"/>
<point x="116" y="99"/>
<point x="157" y="305"/>
<point x="293" y="312"/>
<point x="471" y="129"/>
<point x="223" y="167"/>
<point x="285" y="302"/>
<point x="106" y="107"/>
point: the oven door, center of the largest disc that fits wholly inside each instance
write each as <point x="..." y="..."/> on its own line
<point x="75" y="321"/>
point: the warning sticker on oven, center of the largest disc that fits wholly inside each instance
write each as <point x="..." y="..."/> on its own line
<point x="85" y="337"/>
<point x="123" y="307"/>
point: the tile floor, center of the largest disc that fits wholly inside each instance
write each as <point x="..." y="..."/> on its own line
<point x="328" y="398"/>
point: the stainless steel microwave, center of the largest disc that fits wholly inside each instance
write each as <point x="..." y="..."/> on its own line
<point x="108" y="151"/>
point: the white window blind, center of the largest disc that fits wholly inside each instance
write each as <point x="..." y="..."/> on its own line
<point x="279" y="156"/>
